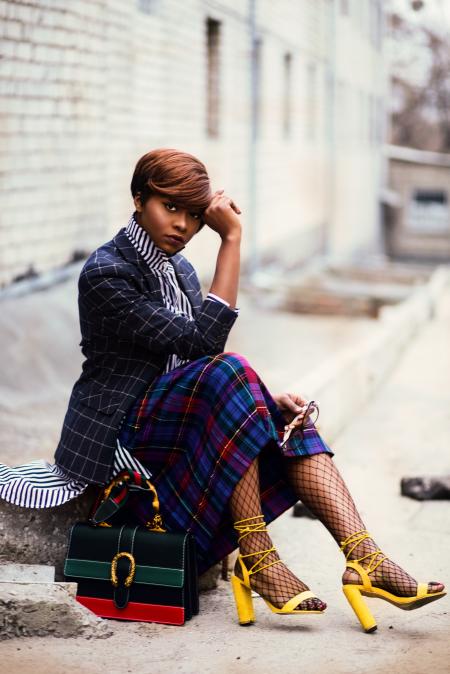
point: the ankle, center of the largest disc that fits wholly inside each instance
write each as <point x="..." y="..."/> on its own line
<point x="254" y="544"/>
<point x="359" y="545"/>
<point x="367" y="547"/>
<point x="255" y="561"/>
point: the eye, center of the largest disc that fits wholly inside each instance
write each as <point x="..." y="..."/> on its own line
<point x="169" y="205"/>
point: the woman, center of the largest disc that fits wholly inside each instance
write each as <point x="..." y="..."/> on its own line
<point x="158" y="392"/>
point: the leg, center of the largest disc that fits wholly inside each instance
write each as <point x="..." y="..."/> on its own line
<point x="319" y="485"/>
<point x="276" y="583"/>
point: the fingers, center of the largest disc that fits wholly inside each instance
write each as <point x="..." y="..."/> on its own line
<point x="298" y="399"/>
<point x="291" y="402"/>
<point x="234" y="206"/>
<point x="297" y="421"/>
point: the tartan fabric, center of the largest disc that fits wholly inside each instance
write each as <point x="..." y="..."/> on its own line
<point x="127" y="336"/>
<point x="198" y="428"/>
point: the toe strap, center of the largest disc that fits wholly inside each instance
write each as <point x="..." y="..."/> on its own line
<point x="422" y="589"/>
<point x="293" y="602"/>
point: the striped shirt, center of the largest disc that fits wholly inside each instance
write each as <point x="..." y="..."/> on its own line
<point x="39" y="484"/>
<point x="173" y="296"/>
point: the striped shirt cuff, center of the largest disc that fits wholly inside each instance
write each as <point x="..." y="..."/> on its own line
<point x="211" y="296"/>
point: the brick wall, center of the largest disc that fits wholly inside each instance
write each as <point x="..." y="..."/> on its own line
<point x="52" y="132"/>
<point x="88" y="86"/>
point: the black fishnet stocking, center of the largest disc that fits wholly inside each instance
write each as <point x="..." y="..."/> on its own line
<point x="277" y="583"/>
<point x="319" y="485"/>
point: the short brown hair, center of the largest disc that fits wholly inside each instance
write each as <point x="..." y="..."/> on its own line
<point x="175" y="174"/>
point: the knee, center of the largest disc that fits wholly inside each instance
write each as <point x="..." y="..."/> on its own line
<point x="228" y="363"/>
<point x="235" y="360"/>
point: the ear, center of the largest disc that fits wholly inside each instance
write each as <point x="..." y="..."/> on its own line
<point x="137" y="202"/>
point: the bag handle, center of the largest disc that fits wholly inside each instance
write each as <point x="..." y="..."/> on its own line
<point x="115" y="495"/>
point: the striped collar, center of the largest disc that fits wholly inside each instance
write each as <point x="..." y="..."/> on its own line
<point x="155" y="257"/>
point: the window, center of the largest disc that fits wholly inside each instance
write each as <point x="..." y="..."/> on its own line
<point x="362" y="116"/>
<point x="213" y="78"/>
<point x="311" y="101"/>
<point x="148" y="6"/>
<point x="372" y="120"/>
<point x="343" y="107"/>
<point x="428" y="211"/>
<point x="381" y="114"/>
<point x="378" y="25"/>
<point x="344" y="7"/>
<point x="287" y="75"/>
<point x="328" y="102"/>
<point x="257" y="83"/>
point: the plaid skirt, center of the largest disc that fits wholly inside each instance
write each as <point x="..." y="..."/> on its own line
<point x="197" y="429"/>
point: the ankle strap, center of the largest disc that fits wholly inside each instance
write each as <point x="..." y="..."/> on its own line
<point x="354" y="540"/>
<point x="249" y="526"/>
<point x="265" y="553"/>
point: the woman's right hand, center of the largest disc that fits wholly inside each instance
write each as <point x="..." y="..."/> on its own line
<point x="221" y="215"/>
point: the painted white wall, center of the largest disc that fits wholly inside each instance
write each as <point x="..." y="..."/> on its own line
<point x="86" y="87"/>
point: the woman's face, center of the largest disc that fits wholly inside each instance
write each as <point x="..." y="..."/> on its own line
<point x="170" y="227"/>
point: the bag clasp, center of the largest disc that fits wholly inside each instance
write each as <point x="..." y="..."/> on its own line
<point x="129" y="579"/>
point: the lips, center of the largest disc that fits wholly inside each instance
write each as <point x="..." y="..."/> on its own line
<point x="175" y="238"/>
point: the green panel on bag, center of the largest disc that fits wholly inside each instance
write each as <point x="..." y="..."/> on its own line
<point x="147" y="575"/>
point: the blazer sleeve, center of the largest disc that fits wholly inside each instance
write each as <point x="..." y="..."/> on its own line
<point x="118" y="307"/>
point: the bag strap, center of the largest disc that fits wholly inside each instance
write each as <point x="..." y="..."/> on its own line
<point x="116" y="494"/>
<point x="123" y="566"/>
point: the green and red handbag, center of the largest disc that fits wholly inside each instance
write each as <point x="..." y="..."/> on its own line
<point x="128" y="571"/>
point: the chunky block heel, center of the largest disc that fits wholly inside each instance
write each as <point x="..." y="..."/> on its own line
<point x="241" y="587"/>
<point x="356" y="601"/>
<point x="355" y="593"/>
<point x="244" y="601"/>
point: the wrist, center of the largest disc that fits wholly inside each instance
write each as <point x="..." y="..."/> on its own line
<point x="231" y="237"/>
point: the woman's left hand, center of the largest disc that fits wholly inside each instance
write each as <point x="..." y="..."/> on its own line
<point x="290" y="405"/>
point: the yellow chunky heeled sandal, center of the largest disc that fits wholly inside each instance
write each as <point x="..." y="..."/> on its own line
<point x="355" y="592"/>
<point x="241" y="587"/>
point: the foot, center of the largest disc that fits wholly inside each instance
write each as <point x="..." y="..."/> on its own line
<point x="392" y="578"/>
<point x="278" y="584"/>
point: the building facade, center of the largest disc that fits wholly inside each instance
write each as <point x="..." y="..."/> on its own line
<point x="284" y="103"/>
<point x="418" y="219"/>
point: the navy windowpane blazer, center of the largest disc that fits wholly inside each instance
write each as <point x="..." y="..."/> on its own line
<point x="127" y="334"/>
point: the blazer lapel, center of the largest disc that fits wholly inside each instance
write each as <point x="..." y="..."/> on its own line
<point x="131" y="254"/>
<point x="189" y="289"/>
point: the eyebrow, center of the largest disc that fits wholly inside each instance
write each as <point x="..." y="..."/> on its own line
<point x="198" y="211"/>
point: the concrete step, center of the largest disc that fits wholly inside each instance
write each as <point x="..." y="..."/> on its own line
<point x="26" y="573"/>
<point x="46" y="609"/>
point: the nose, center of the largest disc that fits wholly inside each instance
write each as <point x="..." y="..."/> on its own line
<point x="181" y="220"/>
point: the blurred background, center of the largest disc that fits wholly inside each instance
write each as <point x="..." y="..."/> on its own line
<point x="328" y="122"/>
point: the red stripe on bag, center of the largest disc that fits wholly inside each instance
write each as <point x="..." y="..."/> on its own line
<point x="152" y="613"/>
<point x="119" y="497"/>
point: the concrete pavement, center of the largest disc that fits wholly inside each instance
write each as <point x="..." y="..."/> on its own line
<point x="403" y="431"/>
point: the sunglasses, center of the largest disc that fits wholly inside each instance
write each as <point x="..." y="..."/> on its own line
<point x="312" y="409"/>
